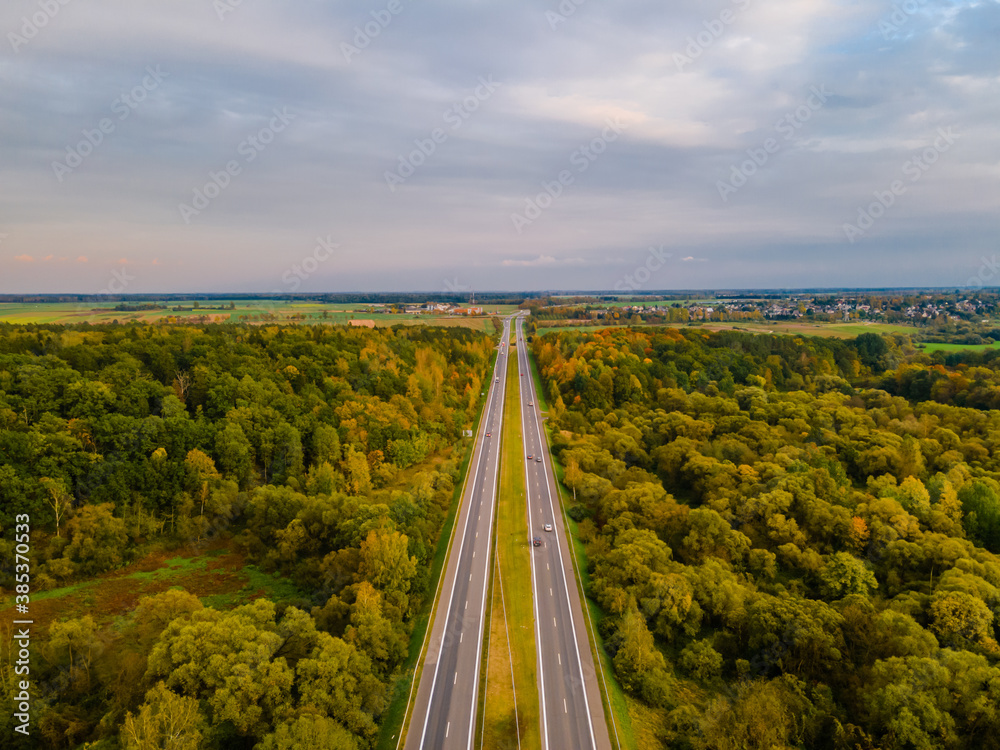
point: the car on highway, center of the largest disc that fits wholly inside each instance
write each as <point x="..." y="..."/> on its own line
<point x="547" y="527"/>
<point x="529" y="456"/>
<point x="489" y="434"/>
<point x="531" y="403"/>
<point x="538" y="458"/>
<point x="536" y="541"/>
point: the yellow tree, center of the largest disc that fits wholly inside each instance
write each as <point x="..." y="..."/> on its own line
<point x="59" y="500"/>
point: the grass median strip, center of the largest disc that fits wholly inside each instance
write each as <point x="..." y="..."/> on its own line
<point x="512" y="671"/>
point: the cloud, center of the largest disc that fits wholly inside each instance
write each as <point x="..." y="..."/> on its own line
<point x="355" y="120"/>
<point x="24" y="259"/>
<point x="543" y="260"/>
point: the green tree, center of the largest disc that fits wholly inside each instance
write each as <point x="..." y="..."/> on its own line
<point x="166" y="721"/>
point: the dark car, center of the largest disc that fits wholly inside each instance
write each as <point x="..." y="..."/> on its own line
<point x="536" y="541"/>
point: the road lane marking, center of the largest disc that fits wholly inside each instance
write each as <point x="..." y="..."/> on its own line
<point x="460" y="637"/>
<point x="447" y="729"/>
<point x="562" y="569"/>
<point x="560" y="659"/>
<point x="565" y="710"/>
<point x="466" y="603"/>
<point x="550" y="591"/>
<point x="490" y="409"/>
<point x="554" y="623"/>
<point x="455" y="681"/>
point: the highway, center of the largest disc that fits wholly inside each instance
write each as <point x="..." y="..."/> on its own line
<point x="444" y="714"/>
<point x="570" y="702"/>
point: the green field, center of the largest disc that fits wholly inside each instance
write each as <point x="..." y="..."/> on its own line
<point x="833" y="330"/>
<point x="252" y="311"/>
<point x="931" y="348"/>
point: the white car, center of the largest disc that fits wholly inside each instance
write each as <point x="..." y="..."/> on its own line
<point x="531" y="403"/>
<point x="547" y="527"/>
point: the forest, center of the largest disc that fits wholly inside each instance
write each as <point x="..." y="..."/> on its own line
<point x="328" y="455"/>
<point x="794" y="542"/>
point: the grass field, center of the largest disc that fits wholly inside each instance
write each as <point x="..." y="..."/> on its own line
<point x="215" y="574"/>
<point x="253" y="311"/>
<point x="832" y="330"/>
<point x="931" y="348"/>
<point x="514" y="564"/>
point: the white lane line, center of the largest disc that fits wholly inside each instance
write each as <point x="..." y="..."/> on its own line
<point x="534" y="597"/>
<point x="572" y="625"/>
<point x="460" y="637"/>
<point x="554" y="623"/>
<point x="560" y="659"/>
<point x="461" y="547"/>
<point x="550" y="591"/>
<point x="470" y="577"/>
<point x="474" y="692"/>
<point x="455" y="681"/>
<point x="565" y="710"/>
<point x="466" y="603"/>
<point x="447" y="729"/>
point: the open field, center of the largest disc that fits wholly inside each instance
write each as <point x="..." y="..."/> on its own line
<point x="514" y="564"/>
<point x="219" y="311"/>
<point x="833" y="330"/>
<point x="215" y="574"/>
<point x="951" y="348"/>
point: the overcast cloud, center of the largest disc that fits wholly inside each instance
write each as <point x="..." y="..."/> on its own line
<point x="496" y="145"/>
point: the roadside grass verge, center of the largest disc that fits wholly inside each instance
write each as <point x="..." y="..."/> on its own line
<point x="617" y="705"/>
<point x="395" y="720"/>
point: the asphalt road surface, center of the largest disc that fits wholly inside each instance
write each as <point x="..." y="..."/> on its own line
<point x="572" y="711"/>
<point x="444" y="714"/>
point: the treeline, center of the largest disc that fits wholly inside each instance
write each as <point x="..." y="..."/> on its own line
<point x="310" y="448"/>
<point x="787" y="554"/>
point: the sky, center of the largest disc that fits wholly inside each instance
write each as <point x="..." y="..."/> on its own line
<point x="456" y="145"/>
